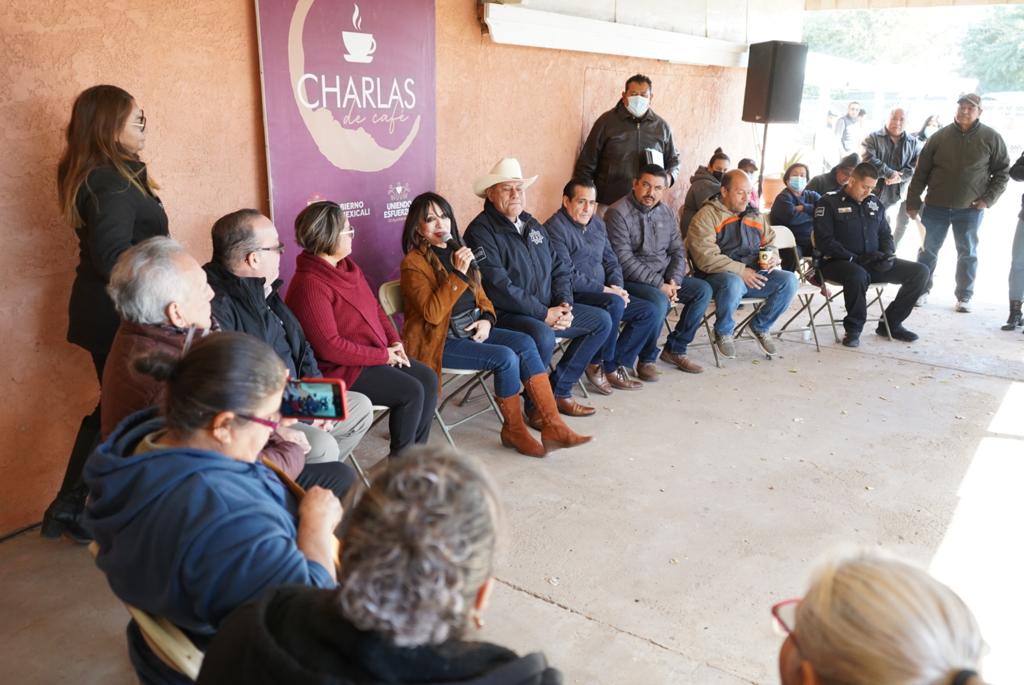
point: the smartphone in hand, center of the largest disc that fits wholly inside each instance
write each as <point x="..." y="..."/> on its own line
<point x="314" y="398"/>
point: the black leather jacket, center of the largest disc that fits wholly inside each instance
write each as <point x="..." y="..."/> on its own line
<point x="614" y="151"/>
<point x="887" y="157"/>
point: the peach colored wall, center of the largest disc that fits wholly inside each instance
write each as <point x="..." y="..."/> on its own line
<point x="194" y="68"/>
<point x="538" y="105"/>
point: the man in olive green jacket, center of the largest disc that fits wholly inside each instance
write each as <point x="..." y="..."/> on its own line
<point x="965" y="166"/>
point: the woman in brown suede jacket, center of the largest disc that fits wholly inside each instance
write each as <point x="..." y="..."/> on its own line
<point x="449" y="322"/>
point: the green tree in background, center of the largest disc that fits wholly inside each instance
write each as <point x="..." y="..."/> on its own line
<point x="993" y="50"/>
<point x="918" y="38"/>
<point x="851" y="34"/>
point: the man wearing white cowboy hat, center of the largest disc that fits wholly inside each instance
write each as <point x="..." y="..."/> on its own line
<point x="530" y="285"/>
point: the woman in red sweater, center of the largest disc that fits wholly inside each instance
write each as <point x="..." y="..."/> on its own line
<point x="349" y="331"/>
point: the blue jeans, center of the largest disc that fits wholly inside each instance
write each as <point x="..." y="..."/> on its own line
<point x="729" y="289"/>
<point x="965" y="222"/>
<point x="1017" y="264"/>
<point x="694" y="294"/>
<point x="589" y="330"/>
<point x="510" y="354"/>
<point x="642" y="328"/>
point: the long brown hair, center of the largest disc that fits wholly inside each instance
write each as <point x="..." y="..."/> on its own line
<point x="97" y="119"/>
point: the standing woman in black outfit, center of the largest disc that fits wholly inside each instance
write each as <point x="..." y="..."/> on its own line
<point x="107" y="196"/>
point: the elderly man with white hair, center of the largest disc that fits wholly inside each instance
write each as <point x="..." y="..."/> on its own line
<point x="530" y="284"/>
<point x="162" y="296"/>
<point x="893" y="152"/>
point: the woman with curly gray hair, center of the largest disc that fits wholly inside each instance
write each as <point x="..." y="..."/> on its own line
<point x="416" y="574"/>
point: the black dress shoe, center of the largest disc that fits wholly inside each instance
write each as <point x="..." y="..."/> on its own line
<point x="851" y="340"/>
<point x="898" y="333"/>
<point x="64" y="523"/>
<point x="64" y="516"/>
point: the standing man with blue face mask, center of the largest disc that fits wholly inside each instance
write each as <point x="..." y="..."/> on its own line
<point x="623" y="140"/>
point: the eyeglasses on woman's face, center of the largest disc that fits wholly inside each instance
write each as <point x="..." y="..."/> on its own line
<point x="272" y="422"/>
<point x="784" y="617"/>
<point x="140" y="122"/>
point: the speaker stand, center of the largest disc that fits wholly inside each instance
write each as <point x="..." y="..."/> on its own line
<point x="760" y="177"/>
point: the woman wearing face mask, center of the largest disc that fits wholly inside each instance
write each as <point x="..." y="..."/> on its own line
<point x="704" y="184"/>
<point x="794" y="206"/>
<point x="931" y="125"/>
<point x="869" y="619"/>
<point x="106" y="194"/>
<point x="189" y="523"/>
<point x="449" y="322"/>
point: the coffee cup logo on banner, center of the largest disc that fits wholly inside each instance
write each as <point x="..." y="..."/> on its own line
<point x="355" y="106"/>
<point x="359" y="46"/>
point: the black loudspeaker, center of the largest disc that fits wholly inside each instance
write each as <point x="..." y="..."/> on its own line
<point x="775" y="82"/>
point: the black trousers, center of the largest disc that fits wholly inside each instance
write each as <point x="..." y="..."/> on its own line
<point x="86" y="440"/>
<point x="855" y="280"/>
<point x="410" y="392"/>
<point x="336" y="476"/>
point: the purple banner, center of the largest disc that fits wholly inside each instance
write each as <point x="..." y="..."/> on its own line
<point x="348" y="97"/>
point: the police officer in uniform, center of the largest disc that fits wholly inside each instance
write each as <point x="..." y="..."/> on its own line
<point x="856" y="249"/>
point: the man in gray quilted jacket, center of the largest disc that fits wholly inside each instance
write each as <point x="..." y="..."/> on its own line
<point x="645" y="238"/>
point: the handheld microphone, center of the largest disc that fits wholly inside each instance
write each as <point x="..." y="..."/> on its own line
<point x="478" y="253"/>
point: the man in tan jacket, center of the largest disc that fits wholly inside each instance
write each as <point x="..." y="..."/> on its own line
<point x="724" y="242"/>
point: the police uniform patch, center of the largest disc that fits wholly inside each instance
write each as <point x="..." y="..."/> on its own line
<point x="819" y="211"/>
<point x="872" y="205"/>
<point x="536" y="237"/>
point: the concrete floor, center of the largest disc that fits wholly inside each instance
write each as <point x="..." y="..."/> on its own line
<point x="653" y="554"/>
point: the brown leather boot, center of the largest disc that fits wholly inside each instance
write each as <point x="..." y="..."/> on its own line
<point x="514" y="433"/>
<point x="554" y="432"/>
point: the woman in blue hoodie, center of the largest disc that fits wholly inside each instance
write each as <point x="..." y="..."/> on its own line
<point x="794" y="206"/>
<point x="189" y="524"/>
<point x="416" y="576"/>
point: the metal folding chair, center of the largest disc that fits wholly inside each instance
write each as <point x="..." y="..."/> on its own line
<point x="390" y="296"/>
<point x="753" y="302"/>
<point x="785" y="240"/>
<point x="829" y="296"/>
<point x="561" y="345"/>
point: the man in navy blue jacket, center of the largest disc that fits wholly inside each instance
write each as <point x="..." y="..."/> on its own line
<point x="857" y="249"/>
<point x="529" y="285"/>
<point x="581" y="241"/>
